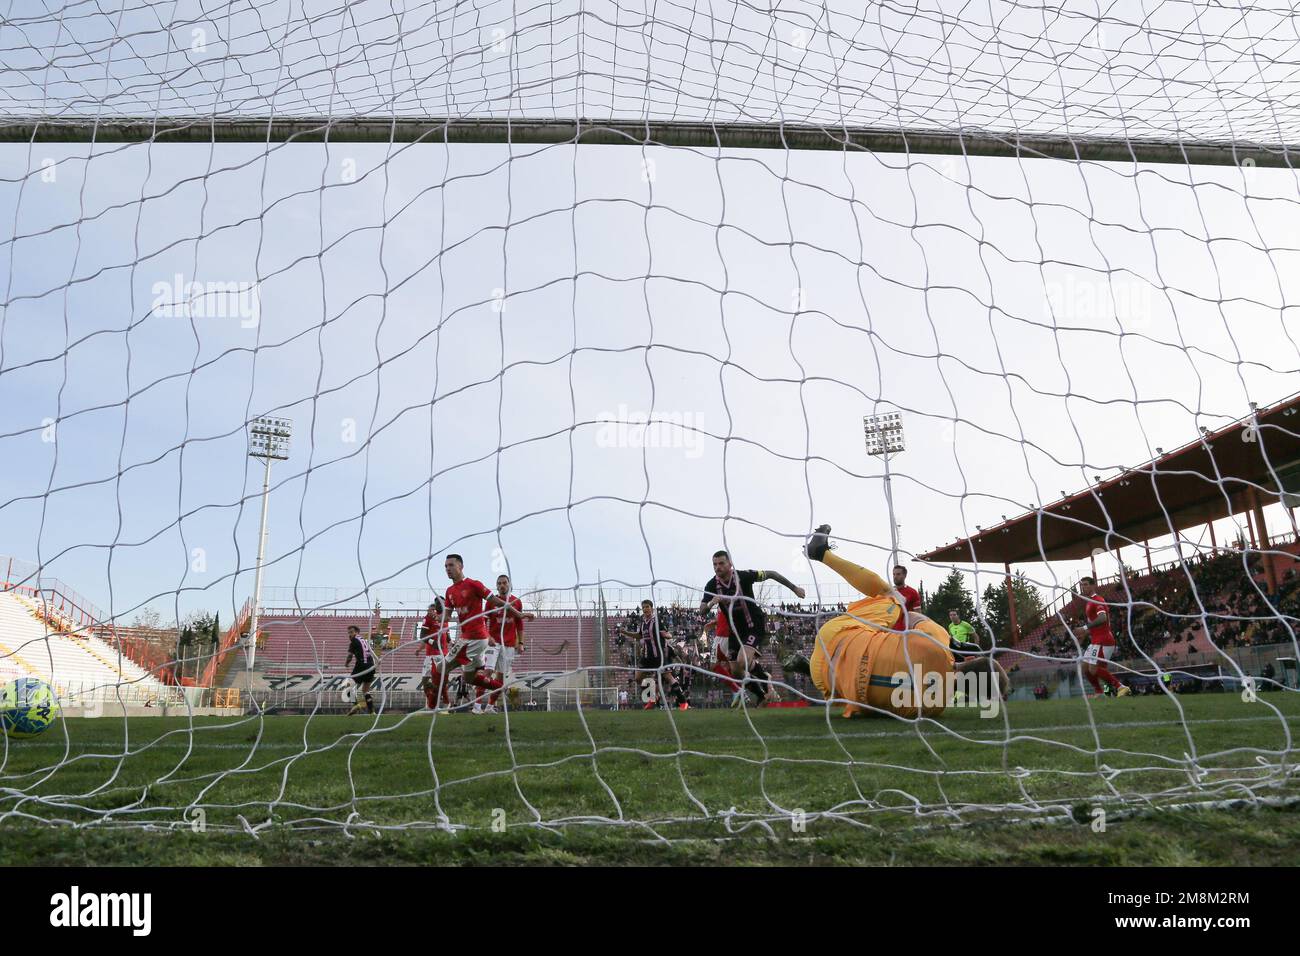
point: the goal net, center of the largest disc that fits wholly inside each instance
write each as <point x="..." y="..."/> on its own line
<point x="299" y="299"/>
<point x="574" y="698"/>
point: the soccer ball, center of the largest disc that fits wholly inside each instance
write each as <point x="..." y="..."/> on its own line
<point x="27" y="707"/>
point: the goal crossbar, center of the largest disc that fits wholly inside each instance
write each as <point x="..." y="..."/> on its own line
<point x="626" y="132"/>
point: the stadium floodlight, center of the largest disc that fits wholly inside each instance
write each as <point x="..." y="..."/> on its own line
<point x="884" y="436"/>
<point x="268" y="439"/>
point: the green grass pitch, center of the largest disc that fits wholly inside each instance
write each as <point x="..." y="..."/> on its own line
<point x="637" y="787"/>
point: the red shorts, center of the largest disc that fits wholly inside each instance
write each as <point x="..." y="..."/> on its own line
<point x="1098" y="652"/>
<point x="435" y="661"/>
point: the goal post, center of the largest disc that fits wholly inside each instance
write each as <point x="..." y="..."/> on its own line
<point x="573" y="698"/>
<point x="623" y="132"/>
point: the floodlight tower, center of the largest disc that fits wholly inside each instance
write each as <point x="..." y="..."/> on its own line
<point x="268" y="439"/>
<point x="884" y="435"/>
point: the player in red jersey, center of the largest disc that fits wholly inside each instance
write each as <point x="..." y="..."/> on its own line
<point x="505" y="638"/>
<point x="1101" y="639"/>
<point x="466" y="598"/>
<point x="721" y="662"/>
<point x="434" y="638"/>
<point x="912" y="600"/>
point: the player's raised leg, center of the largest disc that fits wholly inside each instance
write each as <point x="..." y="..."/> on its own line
<point x="864" y="580"/>
<point x="857" y="654"/>
<point x="467" y="598"/>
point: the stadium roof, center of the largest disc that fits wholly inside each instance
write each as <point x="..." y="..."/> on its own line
<point x="1184" y="488"/>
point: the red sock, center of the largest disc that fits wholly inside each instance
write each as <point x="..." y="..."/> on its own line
<point x="486" y="681"/>
<point x="1108" y="677"/>
<point x="1096" y="684"/>
<point x="723" y="671"/>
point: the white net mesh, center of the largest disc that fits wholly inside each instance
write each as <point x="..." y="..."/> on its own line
<point x="590" y="367"/>
<point x="1178" y="71"/>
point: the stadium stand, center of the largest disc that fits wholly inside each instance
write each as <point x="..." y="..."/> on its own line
<point x="37" y="642"/>
<point x="307" y="641"/>
<point x="1158" y="619"/>
<point x="1159" y="613"/>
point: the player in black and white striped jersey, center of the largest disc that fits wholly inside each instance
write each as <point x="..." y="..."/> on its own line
<point x="653" y="652"/>
<point x="364" y="664"/>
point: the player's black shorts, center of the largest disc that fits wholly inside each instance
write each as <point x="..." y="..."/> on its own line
<point x="649" y="663"/>
<point x="734" y="643"/>
<point x="362" y="676"/>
